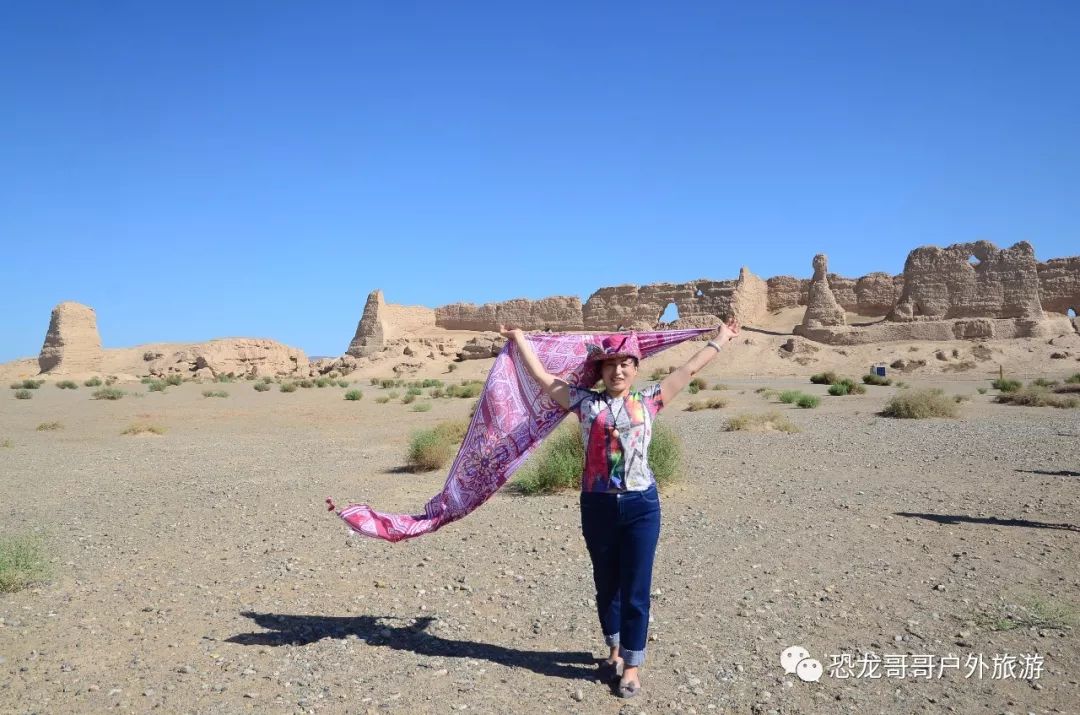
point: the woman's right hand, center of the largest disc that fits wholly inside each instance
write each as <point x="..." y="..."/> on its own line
<point x="510" y="333"/>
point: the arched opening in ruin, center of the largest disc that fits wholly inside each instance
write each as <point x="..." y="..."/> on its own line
<point x="699" y="294"/>
<point x="670" y="314"/>
<point x="974" y="261"/>
<point x="1071" y="312"/>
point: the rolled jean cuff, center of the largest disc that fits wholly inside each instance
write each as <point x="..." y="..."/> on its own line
<point x="612" y="640"/>
<point x="632" y="657"/>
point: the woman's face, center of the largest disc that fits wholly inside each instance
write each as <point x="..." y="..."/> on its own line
<point x="618" y="373"/>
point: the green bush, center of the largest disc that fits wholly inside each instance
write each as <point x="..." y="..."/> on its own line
<point x="981" y="390"/>
<point x="92" y="382"/>
<point x="720" y="386"/>
<point x="215" y="393"/>
<point x="789" y="397"/>
<point x="557" y="465"/>
<point x="699" y="383"/>
<point x="382" y="400"/>
<point x="305" y="383"/>
<point x="838" y="389"/>
<point x="174" y="379"/>
<point x="436" y="393"/>
<point x="67" y="385"/>
<point x="224" y="378"/>
<point x="920" y="404"/>
<point x="261" y="386"/>
<point x="432" y="448"/>
<point x="386" y="384"/>
<point x="427" y="451"/>
<point x="761" y="422"/>
<point x="414" y="391"/>
<point x="23" y="394"/>
<point x="157" y="385"/>
<point x="288" y="387"/>
<point x="1005" y="385"/>
<point x="22" y="562"/>
<point x="1073" y="379"/>
<point x="354" y="395"/>
<point x="49" y="426"/>
<point x="267" y="380"/>
<point x="823" y="378"/>
<point x="375" y="381"/>
<point x="421" y="407"/>
<point x="322" y="382"/>
<point x="108" y="393"/>
<point x="466" y="389"/>
<point x="451" y="367"/>
<point x="693" y="389"/>
<point x="808" y="402"/>
<point x="661" y="373"/>
<point x="1043" y="382"/>
<point x="393" y="394"/>
<point x="878" y="380"/>
<point x="27" y="384"/>
<point x="343" y="383"/>
<point x="408" y="399"/>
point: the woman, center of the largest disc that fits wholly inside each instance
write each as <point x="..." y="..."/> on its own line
<point x="620" y="508"/>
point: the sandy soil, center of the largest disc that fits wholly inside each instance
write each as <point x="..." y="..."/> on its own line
<point x="197" y="571"/>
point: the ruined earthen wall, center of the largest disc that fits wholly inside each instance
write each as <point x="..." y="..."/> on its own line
<point x="558" y="313"/>
<point x="1059" y="284"/>
<point x="72" y="342"/>
<point x="970" y="280"/>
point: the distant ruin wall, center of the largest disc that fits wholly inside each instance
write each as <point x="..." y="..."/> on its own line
<point x="1059" y="285"/>
<point x="72" y="342"/>
<point x="970" y="280"/>
<point x="937" y="330"/>
<point x="558" y="313"/>
<point x="873" y="294"/>
<point x="382" y="322"/>
<point x="701" y="302"/>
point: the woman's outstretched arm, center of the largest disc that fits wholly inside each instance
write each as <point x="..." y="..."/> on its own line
<point x="558" y="389"/>
<point x="674" y="383"/>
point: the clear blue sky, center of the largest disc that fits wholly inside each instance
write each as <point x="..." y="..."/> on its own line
<point x="195" y="170"/>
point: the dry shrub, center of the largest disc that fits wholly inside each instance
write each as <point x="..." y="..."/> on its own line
<point x="761" y="422"/>
<point x="143" y="428"/>
<point x="432" y="448"/>
<point x="49" y="426"/>
<point x="22" y="562"/>
<point x="1036" y="396"/>
<point x="920" y="404"/>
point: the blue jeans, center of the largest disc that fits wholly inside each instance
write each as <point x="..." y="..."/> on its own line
<point x="621" y="531"/>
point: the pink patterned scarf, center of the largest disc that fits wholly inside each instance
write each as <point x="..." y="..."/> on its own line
<point x="512" y="418"/>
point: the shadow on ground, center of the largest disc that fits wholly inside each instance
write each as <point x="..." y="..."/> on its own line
<point x="1058" y="473"/>
<point x="989" y="520"/>
<point x="301" y="630"/>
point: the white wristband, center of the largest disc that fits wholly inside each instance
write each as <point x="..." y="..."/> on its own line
<point x="712" y="344"/>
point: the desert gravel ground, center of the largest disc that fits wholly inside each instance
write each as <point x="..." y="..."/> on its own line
<point x="198" y="571"/>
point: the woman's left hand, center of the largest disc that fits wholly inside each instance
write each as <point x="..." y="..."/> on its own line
<point x="729" y="331"/>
